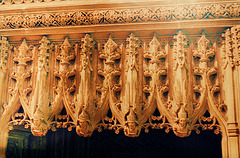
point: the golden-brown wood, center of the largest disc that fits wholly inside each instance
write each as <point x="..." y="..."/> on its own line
<point x="54" y="74"/>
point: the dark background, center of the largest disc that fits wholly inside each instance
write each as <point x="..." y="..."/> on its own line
<point x="107" y="144"/>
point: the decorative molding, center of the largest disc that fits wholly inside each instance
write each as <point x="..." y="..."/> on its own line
<point x="190" y="12"/>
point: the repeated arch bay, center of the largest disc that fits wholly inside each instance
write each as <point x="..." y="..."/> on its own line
<point x="77" y="85"/>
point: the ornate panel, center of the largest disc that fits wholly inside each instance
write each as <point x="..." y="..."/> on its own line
<point x="181" y="83"/>
<point x="74" y="85"/>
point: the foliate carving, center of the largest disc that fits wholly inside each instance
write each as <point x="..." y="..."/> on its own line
<point x="22" y="87"/>
<point x="129" y="107"/>
<point x="72" y="86"/>
<point x="155" y="67"/>
<point x="64" y="85"/>
<point x="155" y="77"/>
<point x="181" y="108"/>
<point x="206" y="82"/>
<point x="109" y="69"/>
<point x="131" y="15"/>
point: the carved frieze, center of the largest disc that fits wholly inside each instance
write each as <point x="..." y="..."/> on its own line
<point x="113" y="16"/>
<point x="95" y="85"/>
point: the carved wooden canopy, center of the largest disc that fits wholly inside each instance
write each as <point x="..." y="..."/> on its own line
<point x="89" y="85"/>
<point x="121" y="66"/>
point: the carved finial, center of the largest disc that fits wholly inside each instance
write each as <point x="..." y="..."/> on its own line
<point x="44" y="44"/>
<point x="23" y="48"/>
<point x="66" y="43"/>
<point x="154" y="41"/>
<point x="203" y="43"/>
<point x="65" y="46"/>
<point x="87" y="43"/>
<point x="235" y="44"/>
<point x="110" y="45"/>
<point x="132" y="43"/>
<point x="180" y="41"/>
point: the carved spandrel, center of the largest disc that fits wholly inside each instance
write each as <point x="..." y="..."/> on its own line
<point x="22" y="58"/>
<point x="21" y="85"/>
<point x="64" y="74"/>
<point x="202" y="71"/>
<point x="111" y="69"/>
<point x="155" y="68"/>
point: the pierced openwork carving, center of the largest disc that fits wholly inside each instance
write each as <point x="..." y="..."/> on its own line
<point x="20" y="86"/>
<point x="71" y="85"/>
